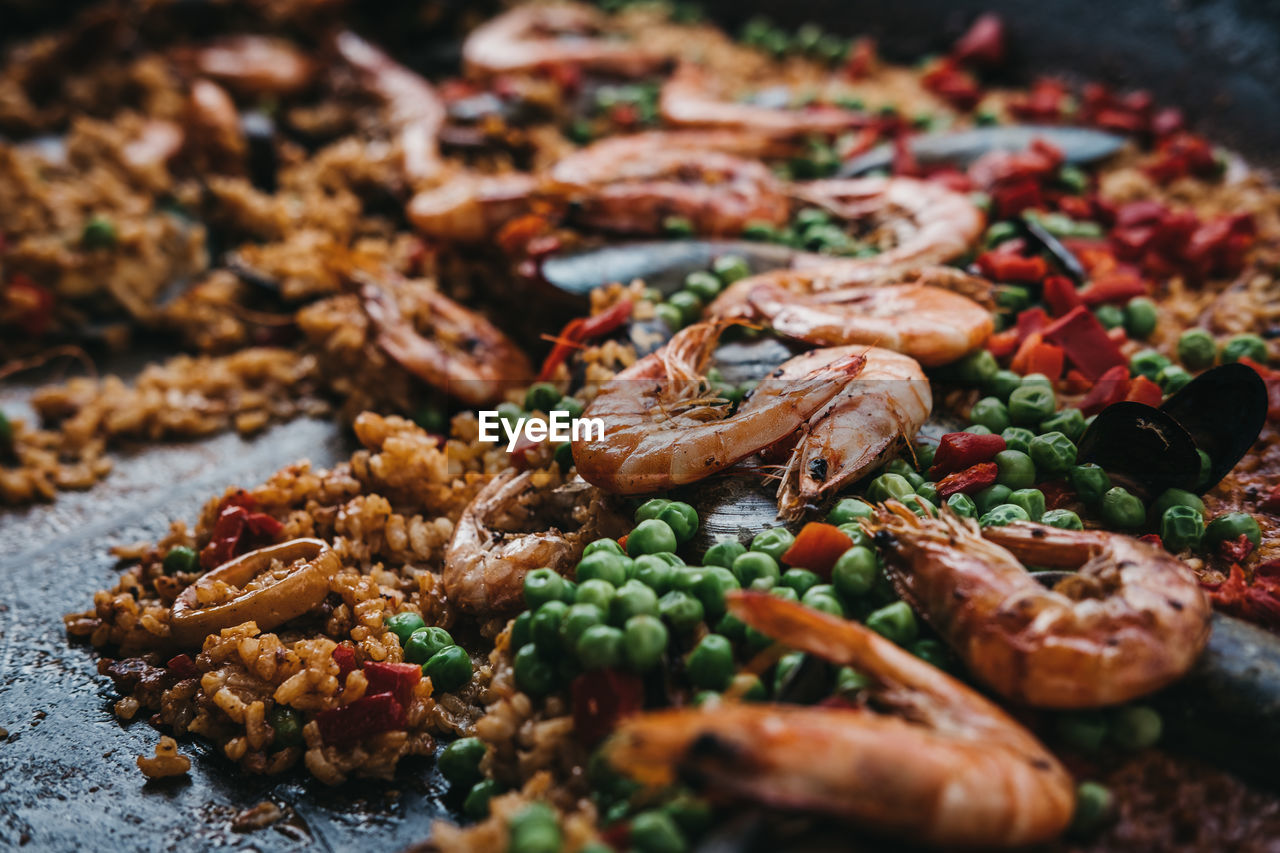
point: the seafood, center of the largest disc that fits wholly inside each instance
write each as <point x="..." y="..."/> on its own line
<point x="254" y="65"/>
<point x="962" y="148"/>
<point x="517" y="523"/>
<point x="865" y="425"/>
<point x="537" y="36"/>
<point x="661" y="429"/>
<point x="415" y="111"/>
<point x="469" y="208"/>
<point x="1131" y="620"/>
<point x="686" y="101"/>
<point x="951" y="770"/>
<point x="460" y="352"/>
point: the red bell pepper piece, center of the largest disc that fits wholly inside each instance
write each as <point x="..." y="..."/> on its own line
<point x="1077" y="382"/>
<point x="1057" y="493"/>
<point x="862" y="58"/>
<point x="960" y="450"/>
<point x="581" y="329"/>
<point x="1272" y="380"/>
<point x="27" y="305"/>
<point x="1060" y="295"/>
<point x="970" y="480"/>
<point x="1111" y="387"/>
<point x="601" y="699"/>
<point x="1006" y="266"/>
<point x="344" y="655"/>
<point x="1271" y="503"/>
<point x="1031" y="320"/>
<point x="982" y="43"/>
<point x="1236" y="550"/>
<point x="366" y="716"/>
<point x="1143" y="390"/>
<point x="1258" y="601"/>
<point x="1046" y="359"/>
<point x="1003" y="344"/>
<point x="1085" y="343"/>
<point x="398" y="679"/>
<point x="817" y="547"/>
<point x="1113" y="287"/>
<point x="238" y="531"/>
<point x="182" y="666"/>
<point x="953" y="84"/>
<point x="1152" y="539"/>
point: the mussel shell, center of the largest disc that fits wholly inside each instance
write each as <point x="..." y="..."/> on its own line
<point x="735" y="505"/>
<point x="960" y="148"/>
<point x="1144" y="446"/>
<point x="661" y="263"/>
<point x="1066" y="258"/>
<point x="1223" y="410"/>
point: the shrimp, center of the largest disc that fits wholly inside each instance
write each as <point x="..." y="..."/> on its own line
<point x="469" y="208"/>
<point x="518" y="523"/>
<point x="951" y="769"/>
<point x="1132" y="620"/>
<point x="534" y="37"/>
<point x="686" y="101"/>
<point x="462" y="353"/>
<point x="636" y="183"/>
<point x="860" y="429"/>
<point x="415" y="110"/>
<point x="254" y="65"/>
<point x="662" y="430"/>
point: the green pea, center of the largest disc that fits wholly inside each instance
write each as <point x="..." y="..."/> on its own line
<point x="682" y="611"/>
<point x="1148" y="363"/>
<point x="1084" y="730"/>
<point x="476" y="805"/>
<point x="572" y="406"/>
<point x="977" y="368"/>
<point x="849" y="680"/>
<point x="577" y="619"/>
<point x="1230" y="526"/>
<point x="963" y="505"/>
<point x="755" y="565"/>
<point x="895" y="622"/>
<point x="541" y="397"/>
<point x="1197" y="349"/>
<point x="1120" y="508"/>
<point x="644" y="640"/>
<point x="650" y="537"/>
<point x="928" y="492"/>
<point x="563" y="455"/>
<point x="404" y="624"/>
<point x="1206" y="470"/>
<point x="1076" y="180"/>
<point x="677" y="226"/>
<point x="1140" y="317"/>
<point x="1031" y="501"/>
<point x="1063" y="519"/>
<point x="600" y="647"/>
<point x="730" y="268"/>
<point x="1095" y="806"/>
<point x="534" y="829"/>
<point x="1053" y="453"/>
<point x="703" y="285"/>
<point x="991" y="497"/>
<point x="710" y="664"/>
<point x="819" y="599"/>
<point x="655" y="832"/>
<point x="509" y="414"/>
<point x="931" y="651"/>
<point x="990" y="413"/>
<point x="889" y="487"/>
<point x="787" y="664"/>
<point x="692" y="814"/>
<point x="633" y="599"/>
<point x="533" y="674"/>
<point x="920" y="506"/>
<point x="711" y="587"/>
<point x="924" y="458"/>
<point x="849" y="510"/>
<point x="597" y="591"/>
<point x="856" y="534"/>
<point x="1181" y="528"/>
<point x="799" y="581"/>
<point x="688" y="303"/>
<point x="902" y="468"/>
<point x="1002" y="384"/>
<point x="6" y="435"/>
<point x="723" y="553"/>
<point x="854" y="573"/>
<point x="1090" y="483"/>
<point x="1069" y="422"/>
<point x="1244" y="346"/>
<point x="780" y="591"/>
<point x="687" y="578"/>
<point x="603" y="565"/>
<point x="179" y="560"/>
<point x="1006" y="513"/>
<point x="670" y="315"/>
<point x="1173" y="379"/>
<point x="773" y="542"/>
<point x="999" y="232"/>
<point x="459" y="762"/>
<point x="763" y="232"/>
<point x="1030" y="404"/>
<point x="99" y="233"/>
<point x="424" y="643"/>
<point x="286" y="723"/>
<point x="650" y="509"/>
<point x="521" y="631"/>
<point x="1018" y="438"/>
<point x="1136" y="727"/>
<point x="1176" y="497"/>
<point x="609" y="546"/>
<point x="681" y="518"/>
<point x="1037" y="380"/>
<point x="1016" y="470"/>
<point x="1110" y="316"/>
<point x="654" y="572"/>
<point x="1013" y="297"/>
<point x="977" y="429"/>
<point x="735" y="629"/>
<point x="541" y="586"/>
<point x="449" y="668"/>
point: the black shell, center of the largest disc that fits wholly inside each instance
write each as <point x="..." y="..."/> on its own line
<point x="661" y="263"/>
<point x="1142" y="446"/>
<point x="960" y="148"/>
<point x="1223" y="410"/>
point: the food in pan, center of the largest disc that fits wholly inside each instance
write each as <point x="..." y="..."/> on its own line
<point x="936" y="418"/>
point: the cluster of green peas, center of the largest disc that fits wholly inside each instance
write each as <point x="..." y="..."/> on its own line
<point x="442" y="660"/>
<point x="700" y="287"/>
<point x="811" y="229"/>
<point x="808" y="40"/>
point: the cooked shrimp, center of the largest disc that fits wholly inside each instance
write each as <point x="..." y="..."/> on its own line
<point x="864" y="426"/>
<point x="518" y="523"/>
<point x="951" y="770"/>
<point x="469" y="208"/>
<point x="1132" y="619"/>
<point x="444" y="344"/>
<point x="634" y="184"/>
<point x="536" y="36"/>
<point x="414" y="108"/>
<point x="661" y="429"/>
<point x="255" y="65"/>
<point x="686" y="101"/>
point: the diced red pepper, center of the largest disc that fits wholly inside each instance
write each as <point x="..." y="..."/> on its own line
<point x="982" y="43"/>
<point x="862" y="58"/>
<point x="1143" y="390"/>
<point x="1152" y="539"/>
<point x="1060" y="295"/>
<point x="344" y="655"/>
<point x="1113" y="288"/>
<point x="1111" y="387"/>
<point x="817" y="547"/>
<point x="1180" y="155"/>
<point x="972" y="479"/>
<point x="960" y="450"/>
<point x="1271" y="503"/>
<point x="582" y="329"/>
<point x="1022" y="358"/>
<point x="182" y="666"/>
<point x="1003" y="344"/>
<point x="904" y="163"/>
<point x="1077" y="382"/>
<point x="1031" y="320"/>
<point x="1272" y="380"/>
<point x="369" y="715"/>
<point x="1057" y="493"/>
<point x="398" y="679"/>
<point x="1046" y="359"/>
<point x="1085" y="343"/>
<point x="1046" y="100"/>
<point x="237" y="531"/>
<point x="1006" y="266"/>
<point x="1258" y="601"/>
<point x="601" y="699"/>
<point x="1235" y="550"/>
<point x="26" y="305"/>
<point x="953" y="84"/>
